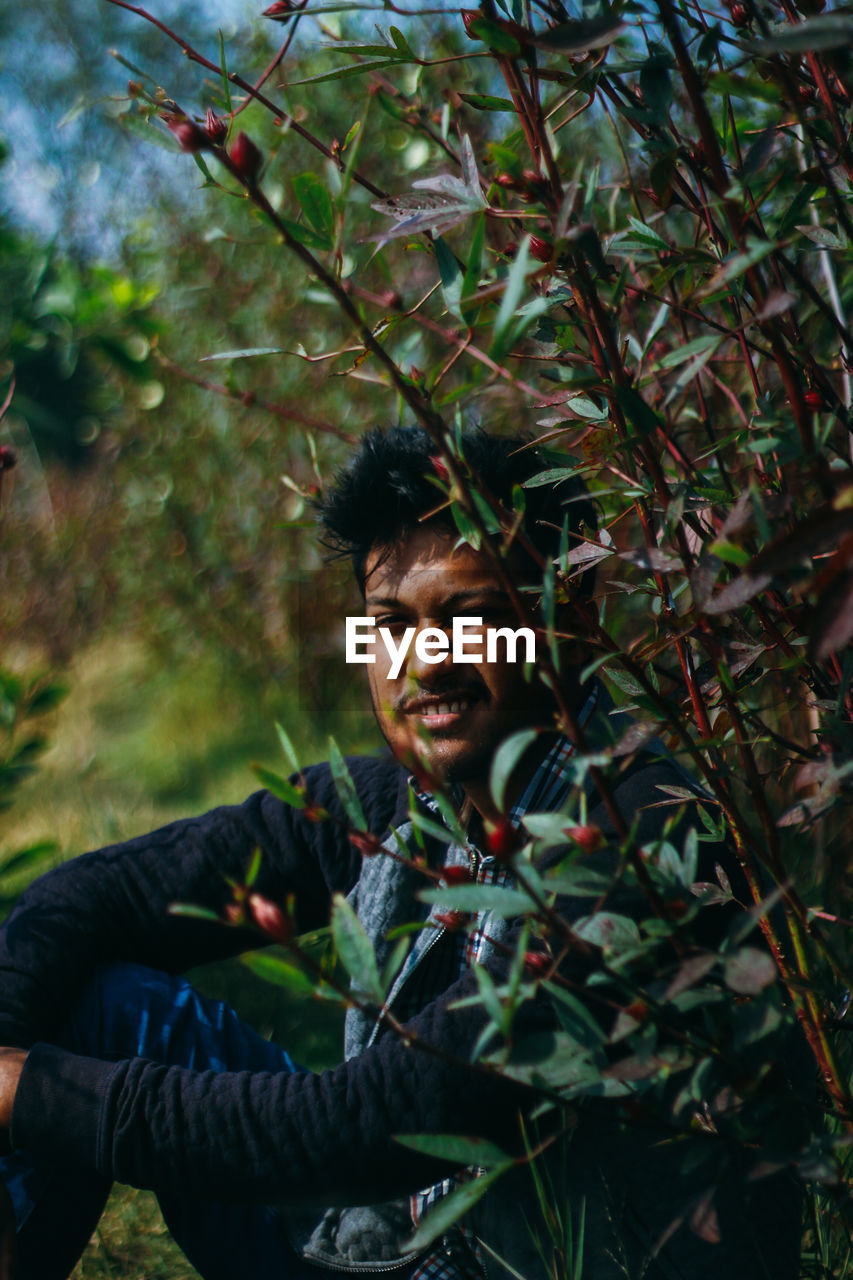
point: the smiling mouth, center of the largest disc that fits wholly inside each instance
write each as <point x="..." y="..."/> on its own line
<point x="440" y="711"/>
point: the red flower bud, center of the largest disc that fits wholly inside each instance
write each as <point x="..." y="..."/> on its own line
<point x="450" y="920"/>
<point x="740" y="16"/>
<point x="216" y="128"/>
<point x="455" y="875"/>
<point x="540" y="249"/>
<point x="638" y="1010"/>
<point x="186" y="133"/>
<point x="506" y="180"/>
<point x="537" y="961"/>
<point x="246" y="157"/>
<point x="280" y="11"/>
<point x="7" y="458"/>
<point x="469" y="17"/>
<point x="813" y="399"/>
<point x="588" y="838"/>
<point x="439" y="466"/>
<point x="134" y="88"/>
<point x="365" y="843"/>
<point x="503" y="839"/>
<point x="270" y="918"/>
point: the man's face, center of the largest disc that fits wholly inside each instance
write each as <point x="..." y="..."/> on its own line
<point x="450" y="716"/>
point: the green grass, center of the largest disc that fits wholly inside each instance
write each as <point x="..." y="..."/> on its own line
<point x="135" y="745"/>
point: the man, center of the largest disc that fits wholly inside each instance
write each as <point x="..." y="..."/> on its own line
<point x="118" y="1071"/>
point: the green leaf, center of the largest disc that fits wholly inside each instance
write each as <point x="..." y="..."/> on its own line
<point x="451" y="276"/>
<point x="243" y="353"/>
<point x="450" y="1208"/>
<point x="737" y="264"/>
<point x="494" y="36"/>
<point x="223" y="66"/>
<point x="473" y="269"/>
<point x="609" y="931"/>
<point x="287" y="747"/>
<point x="648" y="235"/>
<point x="281" y="787"/>
<point x="274" y="969"/>
<point x="46" y="699"/>
<point x="394" y="963"/>
<point x="347" y="73"/>
<point x="480" y="897"/>
<point x="190" y="910"/>
<point x="253" y="869"/>
<point x="513" y="291"/>
<point x="505" y="760"/>
<point x="825" y="31"/>
<point x="345" y="787"/>
<point x="575" y="1018"/>
<point x="574" y="37"/>
<point x="401" y="42"/>
<point x="354" y="949"/>
<point x="447" y="1146"/>
<point x="316" y="204"/>
<point x="820" y="236"/>
<point x="486" y="102"/>
<point x="707" y="343"/>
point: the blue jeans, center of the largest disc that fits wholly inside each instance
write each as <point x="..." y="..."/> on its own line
<point x="129" y="1011"/>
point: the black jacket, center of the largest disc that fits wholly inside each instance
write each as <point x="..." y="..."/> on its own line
<point x="322" y="1138"/>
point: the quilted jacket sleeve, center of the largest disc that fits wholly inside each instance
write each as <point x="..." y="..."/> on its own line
<point x="113" y="904"/>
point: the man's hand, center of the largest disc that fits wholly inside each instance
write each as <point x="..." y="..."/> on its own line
<point x="11" y="1066"/>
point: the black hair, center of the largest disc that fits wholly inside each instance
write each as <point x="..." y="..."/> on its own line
<point x="389" y="486"/>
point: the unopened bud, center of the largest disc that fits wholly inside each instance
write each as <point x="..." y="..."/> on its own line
<point x="186" y="133"/>
<point x="540" y="249"/>
<point x="367" y="844"/>
<point x="537" y="961"/>
<point x="270" y="918"/>
<point x="280" y="11"/>
<point x="246" y="157"/>
<point x="450" y="920"/>
<point x="469" y="18"/>
<point x="134" y="88"/>
<point x="455" y="875"/>
<point x="588" y="838"/>
<point x="216" y="128"/>
<point x="439" y="466"/>
<point x="503" y="839"/>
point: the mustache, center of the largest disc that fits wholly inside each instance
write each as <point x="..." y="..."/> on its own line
<point x="447" y="690"/>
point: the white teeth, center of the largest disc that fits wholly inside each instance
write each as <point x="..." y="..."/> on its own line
<point x="446" y="708"/>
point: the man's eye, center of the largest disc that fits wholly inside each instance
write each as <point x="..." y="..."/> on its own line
<point x="393" y="622"/>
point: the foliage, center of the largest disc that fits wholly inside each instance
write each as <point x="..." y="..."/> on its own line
<point x="631" y="230"/>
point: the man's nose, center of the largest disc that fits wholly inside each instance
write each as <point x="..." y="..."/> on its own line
<point x="427" y="663"/>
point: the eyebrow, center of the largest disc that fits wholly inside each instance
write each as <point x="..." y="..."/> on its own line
<point x="458" y="597"/>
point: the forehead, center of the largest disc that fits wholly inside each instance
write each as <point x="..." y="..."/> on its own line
<point x="425" y="560"/>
